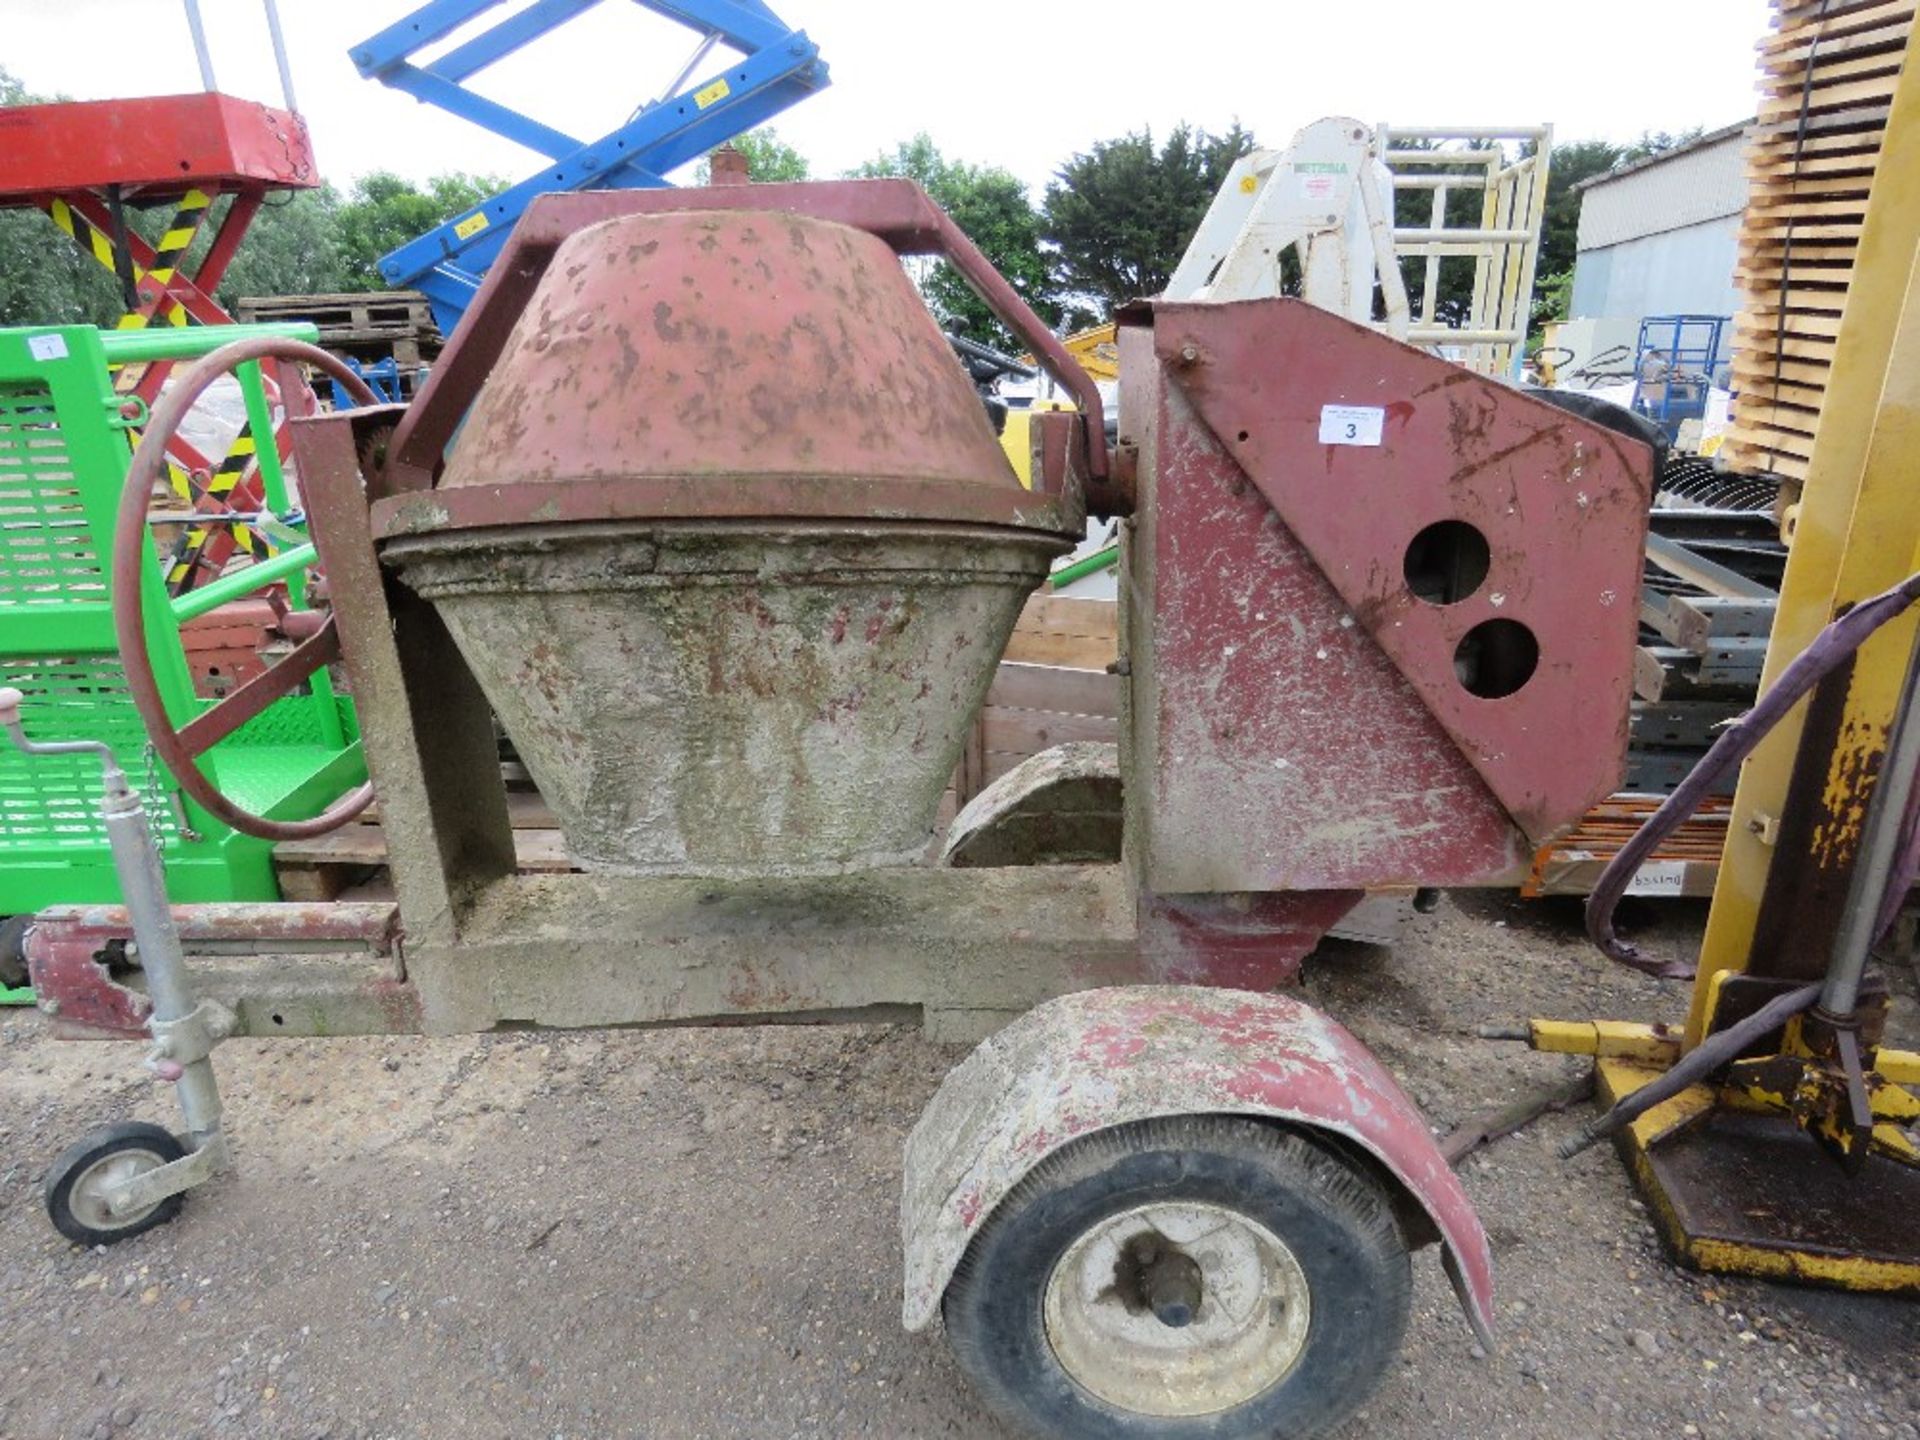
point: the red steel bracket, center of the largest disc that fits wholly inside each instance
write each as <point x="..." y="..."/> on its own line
<point x="1560" y="502"/>
<point x="70" y="946"/>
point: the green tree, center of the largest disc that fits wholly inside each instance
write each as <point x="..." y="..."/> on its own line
<point x="769" y="158"/>
<point x="291" y="249"/>
<point x="1121" y="214"/>
<point x="384" y="211"/>
<point x="991" y="207"/>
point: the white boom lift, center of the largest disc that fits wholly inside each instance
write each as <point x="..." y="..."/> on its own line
<point x="1329" y="198"/>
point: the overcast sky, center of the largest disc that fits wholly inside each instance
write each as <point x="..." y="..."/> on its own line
<point x="1018" y="85"/>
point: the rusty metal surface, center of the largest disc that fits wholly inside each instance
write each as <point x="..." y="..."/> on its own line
<point x="738" y="671"/>
<point x="1246" y="941"/>
<point x="1058" y="466"/>
<point x="898" y="212"/>
<point x="1274" y="744"/>
<point x="426" y="730"/>
<point x="1102" y="1058"/>
<point x="292" y="969"/>
<point x="778" y="699"/>
<point x="851" y="497"/>
<point x="373" y="924"/>
<point x="721" y="365"/>
<point x="69" y="975"/>
<point x="1820" y="825"/>
<point x="1560" y="504"/>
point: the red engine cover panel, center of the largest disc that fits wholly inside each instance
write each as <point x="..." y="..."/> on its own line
<point x="1309" y="727"/>
<point x="154" y="146"/>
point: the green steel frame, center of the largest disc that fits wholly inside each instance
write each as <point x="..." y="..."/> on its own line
<point x="64" y="447"/>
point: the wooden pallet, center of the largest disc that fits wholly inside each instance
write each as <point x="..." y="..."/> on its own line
<point x="1827" y="75"/>
<point x="353" y="857"/>
<point x="1052" y="687"/>
<point x="368" y="325"/>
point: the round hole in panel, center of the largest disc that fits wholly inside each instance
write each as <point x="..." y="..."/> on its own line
<point x="1496" y="658"/>
<point x="1446" y="562"/>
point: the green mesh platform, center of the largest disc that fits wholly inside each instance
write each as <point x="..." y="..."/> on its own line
<point x="63" y="459"/>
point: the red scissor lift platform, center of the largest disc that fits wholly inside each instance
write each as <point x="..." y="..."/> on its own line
<point x="85" y="164"/>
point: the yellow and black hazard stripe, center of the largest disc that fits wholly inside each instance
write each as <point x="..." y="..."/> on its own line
<point x="192" y="551"/>
<point x="81" y="232"/>
<point x="167" y="256"/>
<point x="173" y="245"/>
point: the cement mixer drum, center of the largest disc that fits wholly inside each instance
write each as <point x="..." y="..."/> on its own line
<point x="731" y="547"/>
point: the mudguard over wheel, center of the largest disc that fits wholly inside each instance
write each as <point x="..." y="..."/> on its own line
<point x="1192" y="1276"/>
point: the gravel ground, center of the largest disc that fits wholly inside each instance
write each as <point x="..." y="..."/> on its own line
<point x="693" y="1234"/>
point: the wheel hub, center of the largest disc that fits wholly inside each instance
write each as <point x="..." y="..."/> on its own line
<point x="88" y="1197"/>
<point x="1177" y="1309"/>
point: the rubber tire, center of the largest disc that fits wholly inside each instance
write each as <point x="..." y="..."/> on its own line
<point x="156" y="1140"/>
<point x="1337" y="1220"/>
<point x="13" y="951"/>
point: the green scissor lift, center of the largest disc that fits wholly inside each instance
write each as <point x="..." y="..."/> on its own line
<point x="64" y="449"/>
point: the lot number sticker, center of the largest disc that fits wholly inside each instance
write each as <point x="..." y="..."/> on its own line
<point x="1351" y="424"/>
<point x="1660" y="877"/>
<point x="47" y="347"/>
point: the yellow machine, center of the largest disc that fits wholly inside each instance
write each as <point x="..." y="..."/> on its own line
<point x="1095" y="351"/>
<point x="1797" y="1159"/>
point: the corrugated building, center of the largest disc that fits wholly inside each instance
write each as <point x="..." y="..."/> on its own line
<point x="1661" y="236"/>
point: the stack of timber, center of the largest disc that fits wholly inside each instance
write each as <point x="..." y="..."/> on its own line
<point x="351" y="863"/>
<point x="1685" y="865"/>
<point x="370" y="327"/>
<point x="1827" y="75"/>
<point x="1053" y="686"/>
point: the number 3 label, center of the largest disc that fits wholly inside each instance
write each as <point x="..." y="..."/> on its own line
<point x="1351" y="424"/>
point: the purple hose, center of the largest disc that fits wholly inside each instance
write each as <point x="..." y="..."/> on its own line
<point x="1829" y="649"/>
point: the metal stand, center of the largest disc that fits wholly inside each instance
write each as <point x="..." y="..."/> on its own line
<point x="101" y="1188"/>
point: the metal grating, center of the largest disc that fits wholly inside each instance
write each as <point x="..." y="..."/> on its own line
<point x="1697" y="481"/>
<point x="47" y="554"/>
<point x="53" y="801"/>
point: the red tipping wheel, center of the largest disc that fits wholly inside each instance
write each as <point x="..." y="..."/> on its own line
<point x="180" y="749"/>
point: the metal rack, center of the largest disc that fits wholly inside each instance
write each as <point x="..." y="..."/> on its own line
<point x="1504" y="243"/>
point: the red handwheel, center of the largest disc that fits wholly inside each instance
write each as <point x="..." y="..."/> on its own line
<point x="180" y="749"/>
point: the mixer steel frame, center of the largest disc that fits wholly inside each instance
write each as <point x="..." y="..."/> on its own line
<point x="1302" y="722"/>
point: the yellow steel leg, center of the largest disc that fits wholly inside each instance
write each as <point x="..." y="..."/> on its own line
<point x="1741" y="1175"/>
<point x="1858" y="533"/>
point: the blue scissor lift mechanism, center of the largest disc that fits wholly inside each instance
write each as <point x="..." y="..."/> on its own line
<point x="777" y="66"/>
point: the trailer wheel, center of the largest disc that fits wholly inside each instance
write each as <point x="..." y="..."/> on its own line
<point x="78" y="1181"/>
<point x="13" y="951"/>
<point x="1192" y="1276"/>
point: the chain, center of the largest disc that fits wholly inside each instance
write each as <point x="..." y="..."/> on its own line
<point x="154" y="788"/>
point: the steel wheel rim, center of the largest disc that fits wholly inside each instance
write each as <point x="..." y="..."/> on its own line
<point x="87" y="1196"/>
<point x="1246" y="1334"/>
